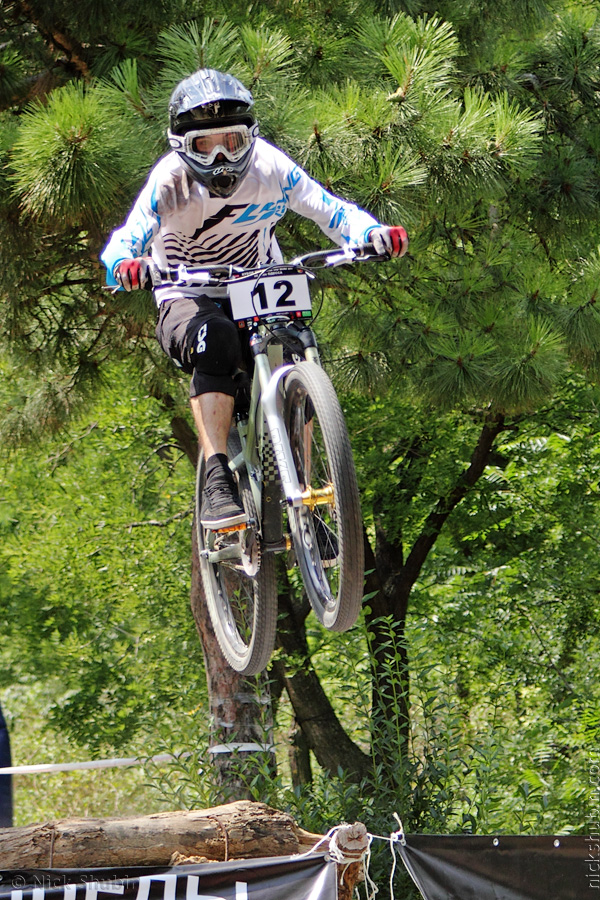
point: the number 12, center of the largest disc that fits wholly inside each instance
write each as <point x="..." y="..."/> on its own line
<point x="261" y="293"/>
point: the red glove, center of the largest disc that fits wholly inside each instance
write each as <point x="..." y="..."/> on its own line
<point x="133" y="273"/>
<point x="389" y="240"/>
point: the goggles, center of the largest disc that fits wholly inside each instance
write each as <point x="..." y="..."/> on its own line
<point x="204" y="145"/>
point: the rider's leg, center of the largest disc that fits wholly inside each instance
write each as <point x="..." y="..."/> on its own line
<point x="200" y="338"/>
<point x="221" y="505"/>
<point x="212" y="414"/>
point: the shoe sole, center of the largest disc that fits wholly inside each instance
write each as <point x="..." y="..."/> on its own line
<point x="230" y="523"/>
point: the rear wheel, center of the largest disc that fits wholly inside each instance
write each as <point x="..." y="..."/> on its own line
<point x="327" y="529"/>
<point x="240" y="584"/>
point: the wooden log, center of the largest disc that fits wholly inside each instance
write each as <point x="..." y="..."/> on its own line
<point x="240" y="830"/>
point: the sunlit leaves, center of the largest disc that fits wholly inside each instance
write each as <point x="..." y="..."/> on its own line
<point x="392" y="174"/>
<point x="96" y="595"/>
<point x="412" y="51"/>
<point x="68" y="159"/>
<point x="270" y="54"/>
<point x="573" y="54"/>
<point x="191" y="46"/>
<point x="580" y="316"/>
<point x="459" y="368"/>
<point x="528" y="373"/>
<point x="516" y="138"/>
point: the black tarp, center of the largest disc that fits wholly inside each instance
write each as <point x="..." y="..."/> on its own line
<point x="278" y="878"/>
<point x="454" y="867"/>
<point x="506" y="867"/>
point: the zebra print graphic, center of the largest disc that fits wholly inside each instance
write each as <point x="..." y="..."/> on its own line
<point x="242" y="249"/>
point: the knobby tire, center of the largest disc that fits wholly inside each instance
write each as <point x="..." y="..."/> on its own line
<point x="328" y="541"/>
<point x="242" y="607"/>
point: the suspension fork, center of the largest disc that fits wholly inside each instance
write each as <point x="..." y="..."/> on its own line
<point x="270" y="401"/>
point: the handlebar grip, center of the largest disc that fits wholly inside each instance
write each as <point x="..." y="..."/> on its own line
<point x="156" y="276"/>
<point x="368" y="250"/>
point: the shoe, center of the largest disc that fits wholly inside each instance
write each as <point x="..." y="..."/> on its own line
<point x="221" y="506"/>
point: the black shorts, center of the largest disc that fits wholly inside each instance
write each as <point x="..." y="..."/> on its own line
<point x="202" y="340"/>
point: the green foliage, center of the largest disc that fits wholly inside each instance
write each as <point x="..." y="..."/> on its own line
<point x="186" y="48"/>
<point x="60" y="795"/>
<point x="68" y="159"/>
<point x="96" y="598"/>
<point x="12" y="70"/>
<point x="476" y="124"/>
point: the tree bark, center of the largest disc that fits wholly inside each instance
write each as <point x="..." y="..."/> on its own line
<point x="299" y="757"/>
<point x="57" y="38"/>
<point x="239" y="708"/>
<point x="389" y="583"/>
<point x="241" y="830"/>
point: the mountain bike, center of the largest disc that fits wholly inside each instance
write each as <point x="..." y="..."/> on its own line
<point x="290" y="453"/>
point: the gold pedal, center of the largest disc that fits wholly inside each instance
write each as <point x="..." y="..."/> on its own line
<point x="241" y="527"/>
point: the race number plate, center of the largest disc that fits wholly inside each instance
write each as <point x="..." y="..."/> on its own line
<point x="269" y="294"/>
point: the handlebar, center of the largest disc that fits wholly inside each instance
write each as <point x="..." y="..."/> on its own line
<point x="337" y="256"/>
<point x="218" y="275"/>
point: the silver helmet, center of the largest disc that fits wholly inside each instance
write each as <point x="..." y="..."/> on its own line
<point x="212" y="127"/>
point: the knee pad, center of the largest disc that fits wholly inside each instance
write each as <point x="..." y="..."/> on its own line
<point x="215" y="347"/>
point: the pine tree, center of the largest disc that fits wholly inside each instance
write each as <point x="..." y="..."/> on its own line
<point x="481" y="137"/>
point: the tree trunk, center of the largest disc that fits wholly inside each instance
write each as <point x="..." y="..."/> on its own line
<point x="390" y="581"/>
<point x="239" y="708"/>
<point x="241" y="736"/>
<point x="299" y="757"/>
<point x="242" y="830"/>
<point x="313" y="712"/>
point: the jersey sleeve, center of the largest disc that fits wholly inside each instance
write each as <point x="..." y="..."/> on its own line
<point x="135" y="237"/>
<point x="343" y="222"/>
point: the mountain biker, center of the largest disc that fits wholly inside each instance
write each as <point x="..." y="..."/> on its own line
<point x="216" y="199"/>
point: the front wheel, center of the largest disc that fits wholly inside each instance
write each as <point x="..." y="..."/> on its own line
<point x="239" y="581"/>
<point x="327" y="528"/>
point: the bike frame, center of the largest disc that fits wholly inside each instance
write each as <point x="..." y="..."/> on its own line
<point x="265" y="406"/>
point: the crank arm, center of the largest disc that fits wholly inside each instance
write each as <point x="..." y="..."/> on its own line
<point x="217" y="556"/>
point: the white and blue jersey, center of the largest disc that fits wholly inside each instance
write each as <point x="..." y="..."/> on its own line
<point x="236" y="230"/>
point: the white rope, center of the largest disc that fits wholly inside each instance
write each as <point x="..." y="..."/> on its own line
<point x="326" y="837"/>
<point x="396" y="837"/>
<point x="91" y="764"/>
<point x="129" y="761"/>
<point x="370" y="886"/>
<point x="346" y="855"/>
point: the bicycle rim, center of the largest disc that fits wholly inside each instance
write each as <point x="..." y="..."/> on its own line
<point x="242" y="607"/>
<point x="327" y="530"/>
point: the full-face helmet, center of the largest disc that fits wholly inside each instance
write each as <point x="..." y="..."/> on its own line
<point x="212" y="127"/>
